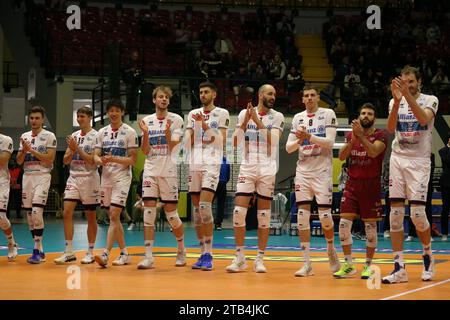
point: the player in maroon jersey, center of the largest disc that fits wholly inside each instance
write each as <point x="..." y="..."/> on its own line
<point x="365" y="146"/>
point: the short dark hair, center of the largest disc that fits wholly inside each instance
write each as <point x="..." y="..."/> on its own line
<point x="368" y="105"/>
<point x="208" y="84"/>
<point x="37" y="109"/>
<point x="115" y="102"/>
<point x="409" y="69"/>
<point x="309" y="86"/>
<point x="86" y="109"/>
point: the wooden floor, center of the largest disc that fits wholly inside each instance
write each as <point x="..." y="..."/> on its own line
<point x="19" y="280"/>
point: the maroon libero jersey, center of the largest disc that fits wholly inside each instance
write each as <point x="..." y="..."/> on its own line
<point x="361" y="166"/>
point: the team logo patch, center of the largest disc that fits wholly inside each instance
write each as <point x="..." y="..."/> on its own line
<point x="87" y="149"/>
<point x="214" y="125"/>
<point x="227" y="122"/>
<point x="10" y="146"/>
<point x="282" y="125"/>
<point x="333" y="121"/>
<point x="434" y="104"/>
<point x="320" y="129"/>
<point x="41" y="149"/>
<point x="121" y="143"/>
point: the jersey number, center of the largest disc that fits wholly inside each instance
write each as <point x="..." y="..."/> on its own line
<point x="310" y="122"/>
<point x="114" y="135"/>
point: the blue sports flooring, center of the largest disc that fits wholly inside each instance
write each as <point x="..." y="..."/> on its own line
<point x="54" y="239"/>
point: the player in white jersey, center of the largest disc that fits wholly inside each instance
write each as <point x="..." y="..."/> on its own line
<point x="116" y="151"/>
<point x="313" y="133"/>
<point x="205" y="137"/>
<point x="411" y="117"/>
<point x="161" y="133"/>
<point x="6" y="149"/>
<point x="37" y="153"/>
<point x="258" y="131"/>
<point x="82" y="185"/>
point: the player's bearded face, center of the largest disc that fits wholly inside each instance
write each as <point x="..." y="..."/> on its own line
<point x="413" y="83"/>
<point x="366" y="122"/>
<point x="207" y="96"/>
<point x="268" y="100"/>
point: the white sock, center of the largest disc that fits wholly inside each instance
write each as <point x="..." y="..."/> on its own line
<point x="260" y="254"/>
<point x="124" y="251"/>
<point x="91" y="248"/>
<point x="306" y="251"/>
<point x="398" y="257"/>
<point x="208" y="244"/>
<point x="348" y="258"/>
<point x="240" y="252"/>
<point x="149" y="248"/>
<point x="180" y="244"/>
<point x="69" y="246"/>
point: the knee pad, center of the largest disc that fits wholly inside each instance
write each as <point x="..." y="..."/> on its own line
<point x="396" y="218"/>
<point x="419" y="218"/>
<point x="174" y="219"/>
<point x="205" y="212"/>
<point x="371" y="234"/>
<point x="239" y="214"/>
<point x="38" y="215"/>
<point x="303" y="219"/>
<point x="345" y="232"/>
<point x="149" y="216"/>
<point x="4" y="221"/>
<point x="326" y="219"/>
<point x="263" y="219"/>
<point x="197" y="217"/>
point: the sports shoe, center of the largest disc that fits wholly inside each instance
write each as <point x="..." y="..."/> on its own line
<point x="428" y="267"/>
<point x="367" y="272"/>
<point x="35" y="257"/>
<point x="398" y="275"/>
<point x="102" y="260"/>
<point x="333" y="258"/>
<point x="237" y="265"/>
<point x="122" y="260"/>
<point x="218" y="227"/>
<point x="207" y="264"/>
<point x="42" y="255"/>
<point x="12" y="252"/>
<point x="65" y="258"/>
<point x="258" y="266"/>
<point x="409" y="239"/>
<point x="444" y="237"/>
<point x="88" y="258"/>
<point x="305" y="271"/>
<point x="199" y="263"/>
<point x="131" y="227"/>
<point x="387" y="234"/>
<point x="181" y="259"/>
<point x="347" y="270"/>
<point x="146" y="263"/>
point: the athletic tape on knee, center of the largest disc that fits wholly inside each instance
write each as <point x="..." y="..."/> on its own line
<point x="303" y="219"/>
<point x="197" y="217"/>
<point x="345" y="232"/>
<point x="371" y="234"/>
<point x="419" y="218"/>
<point x="396" y="218"/>
<point x="239" y="214"/>
<point x="205" y="211"/>
<point x="4" y="221"/>
<point x="174" y="219"/>
<point x="38" y="215"/>
<point x="326" y="219"/>
<point x="263" y="218"/>
<point x="149" y="216"/>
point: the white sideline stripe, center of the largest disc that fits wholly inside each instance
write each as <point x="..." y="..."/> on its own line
<point x="415" y="290"/>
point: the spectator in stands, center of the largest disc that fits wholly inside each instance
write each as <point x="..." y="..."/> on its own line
<point x="240" y="81"/>
<point x="147" y="25"/>
<point x="223" y="45"/>
<point x="277" y="68"/>
<point x="208" y="36"/>
<point x="444" y="183"/>
<point x="440" y="81"/>
<point x="294" y="80"/>
<point x="259" y="77"/>
<point x="433" y="34"/>
<point x="230" y="65"/>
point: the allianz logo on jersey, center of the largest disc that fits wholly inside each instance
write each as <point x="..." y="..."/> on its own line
<point x="319" y="129"/>
<point x="406" y="117"/>
<point x="255" y="127"/>
<point x="155" y="132"/>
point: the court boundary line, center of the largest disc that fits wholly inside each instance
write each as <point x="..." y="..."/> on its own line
<point x="416" y="290"/>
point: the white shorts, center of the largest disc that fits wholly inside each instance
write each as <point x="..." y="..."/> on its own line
<point x="85" y="189"/>
<point x="321" y="186"/>
<point x="35" y="190"/>
<point x="165" y="188"/>
<point x="408" y="178"/>
<point x="4" y="197"/>
<point x="207" y="179"/>
<point x="116" y="195"/>
<point x="251" y="181"/>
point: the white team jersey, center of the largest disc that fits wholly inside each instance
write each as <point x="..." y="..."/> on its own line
<point x="412" y="139"/>
<point x="79" y="167"/>
<point x="159" y="161"/>
<point x="256" y="140"/>
<point x="312" y="157"/>
<point x="216" y="119"/>
<point x="117" y="143"/>
<point x="41" y="142"/>
<point x="6" y="145"/>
